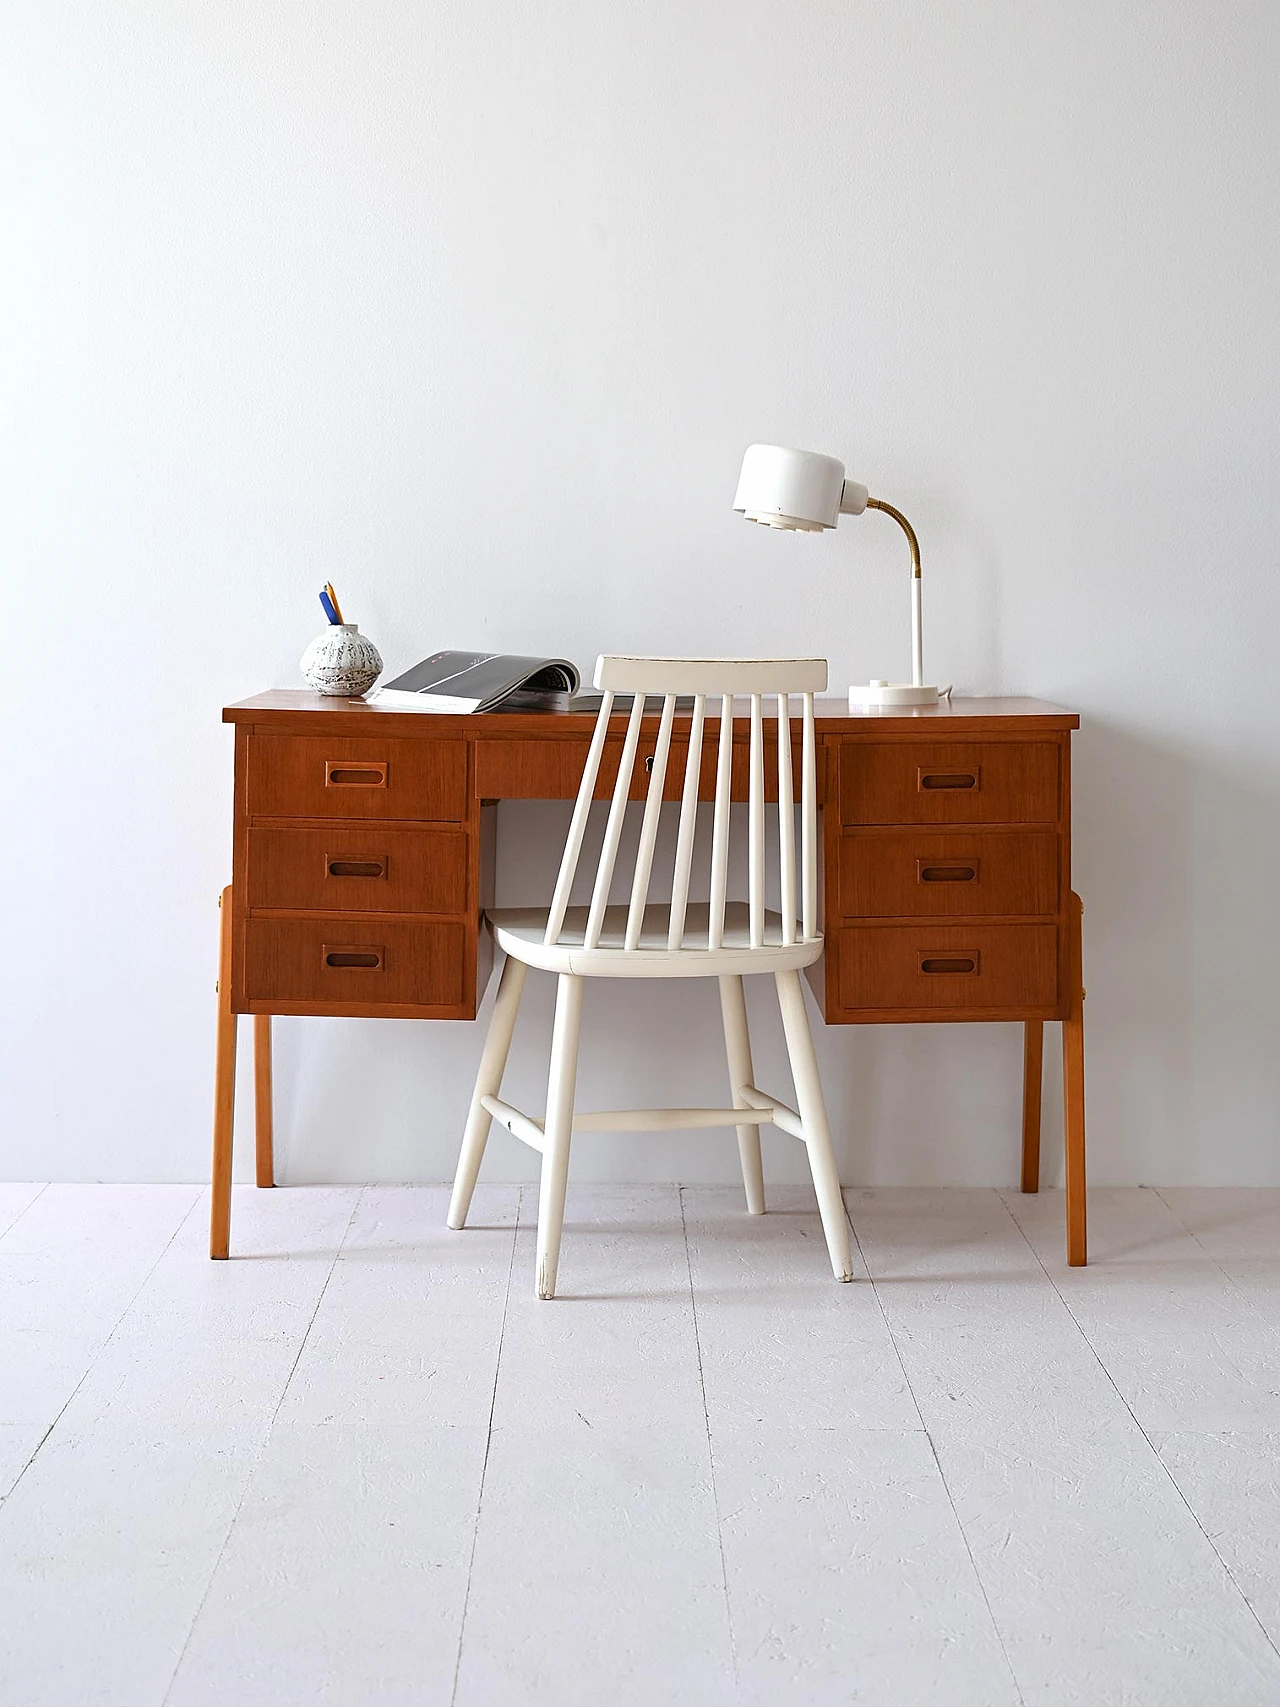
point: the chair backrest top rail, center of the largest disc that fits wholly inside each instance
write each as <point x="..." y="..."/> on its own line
<point x="733" y="676"/>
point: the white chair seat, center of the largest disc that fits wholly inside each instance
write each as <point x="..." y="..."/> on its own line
<point x="520" y="933"/>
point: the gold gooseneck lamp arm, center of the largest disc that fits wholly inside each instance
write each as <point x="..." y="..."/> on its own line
<point x="917" y="641"/>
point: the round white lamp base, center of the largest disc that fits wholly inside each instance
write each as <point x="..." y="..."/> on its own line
<point x="890" y="693"/>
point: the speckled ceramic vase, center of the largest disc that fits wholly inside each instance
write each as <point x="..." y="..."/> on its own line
<point x="341" y="661"/>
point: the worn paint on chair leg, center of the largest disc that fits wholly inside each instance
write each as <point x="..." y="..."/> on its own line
<point x="737" y="1046"/>
<point x="264" y="1146"/>
<point x="558" y="1131"/>
<point x="1073" y="1096"/>
<point x="224" y="1092"/>
<point x="813" y="1115"/>
<point x="1032" y="1084"/>
<point x="493" y="1064"/>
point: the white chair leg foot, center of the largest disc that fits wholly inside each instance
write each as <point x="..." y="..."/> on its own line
<point x="737" y="1047"/>
<point x="813" y="1116"/>
<point x="493" y="1063"/>
<point x="558" y="1129"/>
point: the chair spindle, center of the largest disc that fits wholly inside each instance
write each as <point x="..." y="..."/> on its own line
<point x="755" y="822"/>
<point x="809" y="827"/>
<point x="786" y="824"/>
<point x="720" y="826"/>
<point x="613" y="827"/>
<point x="688" y="824"/>
<point x="649" y="825"/>
<point x="578" y="824"/>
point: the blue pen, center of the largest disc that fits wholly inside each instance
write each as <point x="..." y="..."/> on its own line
<point x="328" y="607"/>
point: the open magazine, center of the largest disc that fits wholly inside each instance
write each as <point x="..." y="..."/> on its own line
<point x="481" y="681"/>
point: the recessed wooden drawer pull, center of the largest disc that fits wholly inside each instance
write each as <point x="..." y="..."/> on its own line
<point x="340" y="775"/>
<point x="948" y="963"/>
<point x="930" y="780"/>
<point x="370" y="959"/>
<point x="948" y="873"/>
<point x="357" y="868"/>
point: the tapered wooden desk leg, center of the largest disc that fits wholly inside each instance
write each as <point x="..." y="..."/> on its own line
<point x="1073" y="1095"/>
<point x="1032" y="1083"/>
<point x="224" y="1092"/>
<point x="263" y="1144"/>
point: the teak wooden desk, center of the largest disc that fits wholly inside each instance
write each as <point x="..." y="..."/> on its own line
<point x="363" y="860"/>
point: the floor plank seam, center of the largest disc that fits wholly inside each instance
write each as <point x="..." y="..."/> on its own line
<point x="488" y="1443"/>
<point x="1248" y="1304"/>
<point x="1151" y="1446"/>
<point x="933" y="1449"/>
<point x="24" y="1210"/>
<point x="711" y="1455"/>
<point x="92" y="1364"/>
<point x="977" y="1573"/>
<point x="262" y="1446"/>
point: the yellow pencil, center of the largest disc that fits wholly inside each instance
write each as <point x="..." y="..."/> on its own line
<point x="328" y="587"/>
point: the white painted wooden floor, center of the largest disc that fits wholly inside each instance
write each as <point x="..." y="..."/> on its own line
<point x="361" y="1465"/>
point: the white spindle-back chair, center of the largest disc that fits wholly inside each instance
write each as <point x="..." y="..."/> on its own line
<point x="721" y="938"/>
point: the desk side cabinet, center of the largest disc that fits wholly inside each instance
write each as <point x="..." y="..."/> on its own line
<point x="363" y="860"/>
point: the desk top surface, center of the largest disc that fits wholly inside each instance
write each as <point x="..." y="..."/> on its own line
<point x="293" y="709"/>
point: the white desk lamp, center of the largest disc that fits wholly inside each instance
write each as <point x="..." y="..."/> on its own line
<point x="804" y="492"/>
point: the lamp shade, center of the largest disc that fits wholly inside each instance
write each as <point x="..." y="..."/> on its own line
<point x="800" y="490"/>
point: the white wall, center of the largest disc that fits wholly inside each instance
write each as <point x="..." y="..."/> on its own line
<point x="365" y="292"/>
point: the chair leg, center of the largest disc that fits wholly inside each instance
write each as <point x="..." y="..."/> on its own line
<point x="224" y="1092"/>
<point x="737" y="1047"/>
<point x="813" y="1117"/>
<point x="1073" y="1094"/>
<point x="263" y="1145"/>
<point x="558" y="1129"/>
<point x="493" y="1063"/>
<point x="1032" y="1082"/>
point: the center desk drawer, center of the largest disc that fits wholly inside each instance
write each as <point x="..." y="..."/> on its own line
<point x="364" y="870"/>
<point x="948" y="966"/>
<point x="383" y="962"/>
<point x="971" y="782"/>
<point x="552" y="769"/>
<point x="904" y="874"/>
<point x="319" y="776"/>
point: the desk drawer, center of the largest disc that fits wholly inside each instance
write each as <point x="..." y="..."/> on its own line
<point x="385" y="962"/>
<point x="974" y="782"/>
<point x="319" y="776"/>
<point x="552" y="769"/>
<point x="948" y="966"/>
<point x="907" y="874"/>
<point x="367" y="869"/>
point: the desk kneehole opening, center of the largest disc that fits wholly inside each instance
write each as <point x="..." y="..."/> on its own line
<point x="339" y="957"/>
<point x="958" y="963"/>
